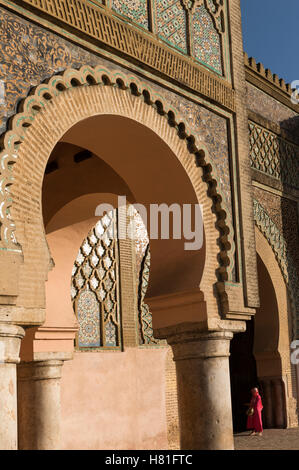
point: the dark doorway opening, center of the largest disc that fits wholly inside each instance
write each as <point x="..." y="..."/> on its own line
<point x="243" y="372"/>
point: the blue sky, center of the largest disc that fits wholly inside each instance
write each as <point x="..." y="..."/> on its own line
<point x="271" y="35"/>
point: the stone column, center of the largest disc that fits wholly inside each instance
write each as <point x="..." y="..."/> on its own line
<point x="39" y="405"/>
<point x="267" y="403"/>
<point x="10" y="342"/>
<point x="204" y="396"/>
<point x="279" y="403"/>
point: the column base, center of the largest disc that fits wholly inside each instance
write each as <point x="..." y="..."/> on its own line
<point x="10" y="341"/>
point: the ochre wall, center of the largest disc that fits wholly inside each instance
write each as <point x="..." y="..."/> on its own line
<point x="115" y="400"/>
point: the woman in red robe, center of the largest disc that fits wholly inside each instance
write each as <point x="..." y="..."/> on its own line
<point x="254" y="421"/>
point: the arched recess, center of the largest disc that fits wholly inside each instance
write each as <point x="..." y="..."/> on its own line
<point x="261" y="356"/>
<point x="279" y="248"/>
<point x="276" y="246"/>
<point x="272" y="339"/>
<point x="47" y="115"/>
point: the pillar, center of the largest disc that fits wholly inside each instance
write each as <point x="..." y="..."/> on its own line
<point x="39" y="415"/>
<point x="267" y="413"/>
<point x="10" y="342"/>
<point x="279" y="403"/>
<point x="204" y="397"/>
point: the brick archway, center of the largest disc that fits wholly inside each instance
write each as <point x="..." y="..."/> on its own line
<point x="274" y="364"/>
<point x="279" y="247"/>
<point x="47" y="114"/>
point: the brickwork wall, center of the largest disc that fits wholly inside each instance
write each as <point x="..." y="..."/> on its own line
<point x="265" y="105"/>
<point x="128" y="293"/>
<point x="242" y="144"/>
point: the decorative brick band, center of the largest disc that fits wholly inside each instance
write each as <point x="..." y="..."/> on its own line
<point x="279" y="247"/>
<point x="269" y="83"/>
<point x="272" y="78"/>
<point x="99" y="23"/>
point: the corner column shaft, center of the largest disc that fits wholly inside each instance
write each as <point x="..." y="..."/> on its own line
<point x="10" y="342"/>
<point x="39" y="405"/>
<point x="204" y="395"/>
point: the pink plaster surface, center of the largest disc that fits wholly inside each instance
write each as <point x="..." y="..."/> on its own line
<point x="114" y="400"/>
<point x="64" y="245"/>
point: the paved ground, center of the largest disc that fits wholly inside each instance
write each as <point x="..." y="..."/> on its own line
<point x="272" y="439"/>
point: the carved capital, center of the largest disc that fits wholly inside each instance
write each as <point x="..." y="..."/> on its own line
<point x="40" y="370"/>
<point x="10" y="342"/>
<point x="191" y="341"/>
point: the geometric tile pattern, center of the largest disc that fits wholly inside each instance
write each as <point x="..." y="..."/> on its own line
<point x="29" y="54"/>
<point x="88" y="312"/>
<point x="94" y="287"/>
<point x="206" y="40"/>
<point x="273" y="155"/>
<point x="142" y="253"/>
<point x="172" y="23"/>
<point x="135" y="10"/>
<point x="145" y="317"/>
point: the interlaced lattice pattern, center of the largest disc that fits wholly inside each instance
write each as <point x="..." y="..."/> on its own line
<point x="273" y="155"/>
<point x="94" y="287"/>
<point x="95" y="284"/>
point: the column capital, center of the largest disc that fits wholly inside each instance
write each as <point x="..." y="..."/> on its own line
<point x="10" y="342"/>
<point x="40" y="370"/>
<point x="191" y="341"/>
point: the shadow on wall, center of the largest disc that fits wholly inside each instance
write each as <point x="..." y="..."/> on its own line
<point x="289" y="226"/>
<point x="256" y="362"/>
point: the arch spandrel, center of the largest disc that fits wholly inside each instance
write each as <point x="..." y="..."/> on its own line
<point x="47" y="114"/>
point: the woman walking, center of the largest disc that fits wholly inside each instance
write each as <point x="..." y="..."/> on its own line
<point x="254" y="420"/>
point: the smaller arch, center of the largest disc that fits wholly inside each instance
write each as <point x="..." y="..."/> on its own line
<point x="279" y="246"/>
<point x="273" y="357"/>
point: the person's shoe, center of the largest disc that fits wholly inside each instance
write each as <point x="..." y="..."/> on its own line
<point x="253" y="433"/>
<point x="260" y="433"/>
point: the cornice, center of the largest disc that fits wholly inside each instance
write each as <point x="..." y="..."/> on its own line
<point x="262" y="78"/>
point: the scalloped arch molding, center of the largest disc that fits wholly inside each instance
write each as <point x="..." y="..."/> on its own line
<point x="40" y="104"/>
